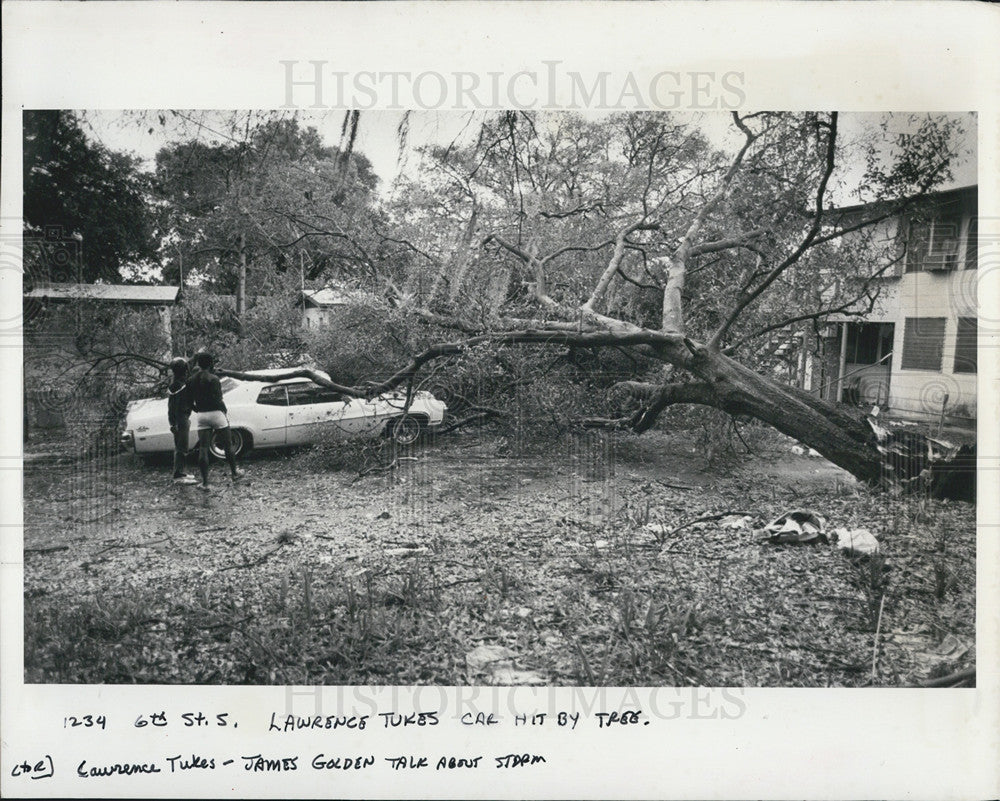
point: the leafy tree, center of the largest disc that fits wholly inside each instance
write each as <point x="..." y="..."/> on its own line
<point x="271" y="199"/>
<point x="634" y="235"/>
<point x="85" y="209"/>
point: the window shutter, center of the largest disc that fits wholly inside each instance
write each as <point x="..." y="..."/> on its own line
<point x="923" y="343"/>
<point x="965" y="345"/>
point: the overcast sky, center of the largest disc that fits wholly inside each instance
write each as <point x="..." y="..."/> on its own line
<point x="379" y="141"/>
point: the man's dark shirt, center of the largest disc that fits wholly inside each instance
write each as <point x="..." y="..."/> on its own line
<point x="178" y="402"/>
<point x="206" y="392"/>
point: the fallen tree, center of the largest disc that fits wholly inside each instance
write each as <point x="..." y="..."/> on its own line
<point x="760" y="223"/>
<point x="635" y="235"/>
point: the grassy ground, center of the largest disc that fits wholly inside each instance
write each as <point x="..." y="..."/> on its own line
<point x="579" y="566"/>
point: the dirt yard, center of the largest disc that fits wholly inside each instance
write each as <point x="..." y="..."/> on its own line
<point x="587" y="565"/>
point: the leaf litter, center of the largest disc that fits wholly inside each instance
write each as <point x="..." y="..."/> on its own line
<point x="576" y="571"/>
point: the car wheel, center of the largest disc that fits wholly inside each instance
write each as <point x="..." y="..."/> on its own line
<point x="405" y="430"/>
<point x="240" y="439"/>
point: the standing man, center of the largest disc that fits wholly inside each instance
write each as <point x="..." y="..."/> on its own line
<point x="179" y="415"/>
<point x="206" y="398"/>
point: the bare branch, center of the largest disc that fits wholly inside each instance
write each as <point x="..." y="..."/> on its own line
<point x="614" y="263"/>
<point x="741" y="241"/>
<point x="579" y="209"/>
<point x="845" y="308"/>
<point x="807" y="241"/>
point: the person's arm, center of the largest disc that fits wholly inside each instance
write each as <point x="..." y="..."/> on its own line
<point x="185" y="403"/>
<point x="216" y="390"/>
<point x="171" y="413"/>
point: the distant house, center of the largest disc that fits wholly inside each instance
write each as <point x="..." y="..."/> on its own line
<point x="320" y="306"/>
<point x="914" y="354"/>
<point x="160" y="298"/>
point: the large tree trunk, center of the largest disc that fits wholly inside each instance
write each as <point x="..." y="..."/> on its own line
<point x="241" y="282"/>
<point x="839" y="433"/>
<point x="844" y="438"/>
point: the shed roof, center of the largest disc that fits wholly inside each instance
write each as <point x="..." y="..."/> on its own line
<point x="324" y="298"/>
<point x="114" y="293"/>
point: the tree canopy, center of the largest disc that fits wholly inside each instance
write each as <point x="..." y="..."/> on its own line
<point x="274" y="197"/>
<point x="86" y="210"/>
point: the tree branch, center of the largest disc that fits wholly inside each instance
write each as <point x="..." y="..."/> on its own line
<point x="844" y="308"/>
<point x="726" y="244"/>
<point x="614" y="263"/>
<point x="522" y="336"/>
<point x="807" y="241"/>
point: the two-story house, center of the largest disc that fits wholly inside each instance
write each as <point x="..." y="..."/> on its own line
<point x="914" y="353"/>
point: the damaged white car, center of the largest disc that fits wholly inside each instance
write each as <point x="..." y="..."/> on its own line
<point x="291" y="412"/>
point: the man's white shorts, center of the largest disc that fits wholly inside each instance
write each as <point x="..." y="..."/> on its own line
<point x="205" y="420"/>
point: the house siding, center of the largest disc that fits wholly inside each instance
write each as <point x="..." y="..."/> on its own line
<point x="949" y="295"/>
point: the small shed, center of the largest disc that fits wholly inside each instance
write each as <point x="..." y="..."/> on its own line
<point x="51" y="349"/>
<point x="320" y="305"/>
<point x="160" y="297"/>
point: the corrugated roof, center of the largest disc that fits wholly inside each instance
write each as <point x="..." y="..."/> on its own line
<point x="325" y="297"/>
<point x="119" y="293"/>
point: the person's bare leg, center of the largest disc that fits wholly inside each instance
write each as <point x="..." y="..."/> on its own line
<point x="204" y="440"/>
<point x="227" y="444"/>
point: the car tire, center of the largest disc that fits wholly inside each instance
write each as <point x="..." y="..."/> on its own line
<point x="405" y="430"/>
<point x="241" y="439"/>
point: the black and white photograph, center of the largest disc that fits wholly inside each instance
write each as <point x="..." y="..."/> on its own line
<point x="504" y="398"/>
<point x="499" y="400"/>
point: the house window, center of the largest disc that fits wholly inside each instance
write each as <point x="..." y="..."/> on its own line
<point x="868" y="343"/>
<point x="923" y="342"/>
<point x="934" y="243"/>
<point x="965" y="345"/>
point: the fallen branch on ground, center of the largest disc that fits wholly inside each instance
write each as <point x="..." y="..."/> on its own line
<point x="47" y="550"/>
<point x="480" y="415"/>
<point x="702" y="519"/>
<point x="951" y="680"/>
<point x="384" y="468"/>
<point x="255" y="563"/>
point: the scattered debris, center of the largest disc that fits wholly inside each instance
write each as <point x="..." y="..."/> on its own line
<point x="661" y="532"/>
<point x="914" y="460"/>
<point x="858" y="540"/>
<point x="405" y="551"/>
<point x="950" y="648"/>
<point x="797" y="527"/>
<point x="509" y="677"/>
<point x="498" y="663"/>
<point x="482" y="657"/>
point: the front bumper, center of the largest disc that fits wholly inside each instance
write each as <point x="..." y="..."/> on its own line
<point x="127" y="441"/>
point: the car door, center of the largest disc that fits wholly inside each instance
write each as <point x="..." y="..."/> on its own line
<point x="370" y="416"/>
<point x="313" y="411"/>
<point x="271" y="411"/>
